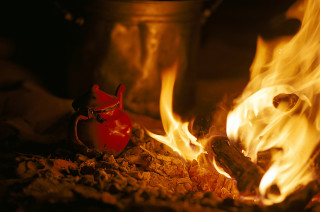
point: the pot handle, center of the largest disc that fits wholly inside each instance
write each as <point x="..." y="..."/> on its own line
<point x="74" y="132"/>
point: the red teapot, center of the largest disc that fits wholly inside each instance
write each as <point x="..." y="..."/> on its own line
<point x="100" y="123"/>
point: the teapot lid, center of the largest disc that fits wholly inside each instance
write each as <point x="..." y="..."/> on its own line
<point x="95" y="99"/>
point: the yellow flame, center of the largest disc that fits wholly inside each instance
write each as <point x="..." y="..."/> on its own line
<point x="178" y="136"/>
<point x="290" y="65"/>
<point x="219" y="169"/>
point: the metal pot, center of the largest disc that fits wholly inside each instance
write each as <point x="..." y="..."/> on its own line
<point x="131" y="42"/>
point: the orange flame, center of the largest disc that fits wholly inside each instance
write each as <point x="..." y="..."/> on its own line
<point x="178" y="136"/>
<point x="219" y="169"/>
<point x="289" y="67"/>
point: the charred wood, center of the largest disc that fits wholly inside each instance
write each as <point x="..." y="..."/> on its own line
<point x="247" y="174"/>
<point x="285" y="102"/>
<point x="298" y="200"/>
<point x="264" y="157"/>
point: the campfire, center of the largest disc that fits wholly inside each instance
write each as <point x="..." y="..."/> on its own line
<point x="256" y="152"/>
<point x="271" y="140"/>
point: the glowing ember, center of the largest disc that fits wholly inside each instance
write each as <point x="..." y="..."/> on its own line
<point x="177" y="135"/>
<point x="280" y="107"/>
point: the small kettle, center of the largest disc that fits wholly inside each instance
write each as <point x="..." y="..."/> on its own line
<point x="100" y="123"/>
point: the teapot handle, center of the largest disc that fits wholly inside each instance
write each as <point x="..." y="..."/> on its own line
<point x="74" y="134"/>
<point x="119" y="94"/>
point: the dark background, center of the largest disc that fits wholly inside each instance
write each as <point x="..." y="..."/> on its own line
<point x="36" y="35"/>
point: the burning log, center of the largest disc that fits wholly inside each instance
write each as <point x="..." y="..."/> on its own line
<point x="285" y="102"/>
<point x="298" y="200"/>
<point x="264" y="157"/>
<point x="247" y="174"/>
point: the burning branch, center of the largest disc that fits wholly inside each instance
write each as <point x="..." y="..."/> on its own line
<point x="247" y="174"/>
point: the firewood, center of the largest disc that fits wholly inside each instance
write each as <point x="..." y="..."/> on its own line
<point x="298" y="200"/>
<point x="285" y="102"/>
<point x="264" y="157"/>
<point x="247" y="174"/>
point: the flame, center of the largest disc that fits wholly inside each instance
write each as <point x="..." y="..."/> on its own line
<point x="279" y="107"/>
<point x="219" y="169"/>
<point x="178" y="136"/>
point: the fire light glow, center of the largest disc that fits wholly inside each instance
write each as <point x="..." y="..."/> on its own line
<point x="289" y="65"/>
<point x="177" y="135"/>
<point x="279" y="108"/>
<point x="219" y="169"/>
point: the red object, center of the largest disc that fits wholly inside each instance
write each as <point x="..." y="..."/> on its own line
<point x="100" y="121"/>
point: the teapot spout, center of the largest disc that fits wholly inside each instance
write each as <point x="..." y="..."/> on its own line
<point x="119" y="94"/>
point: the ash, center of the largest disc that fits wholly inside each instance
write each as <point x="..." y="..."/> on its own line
<point x="146" y="175"/>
